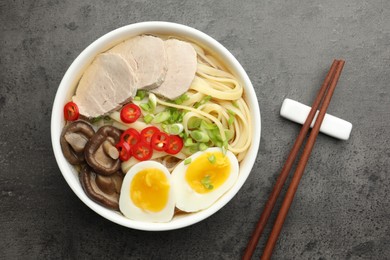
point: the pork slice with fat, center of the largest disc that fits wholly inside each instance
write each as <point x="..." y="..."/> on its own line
<point x="149" y="55"/>
<point x="105" y="85"/>
<point x="182" y="64"/>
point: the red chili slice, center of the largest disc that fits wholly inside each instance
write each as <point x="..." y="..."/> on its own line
<point x="142" y="151"/>
<point x="159" y="141"/>
<point x="130" y="113"/>
<point x="124" y="150"/>
<point x="174" y="144"/>
<point x="71" y="111"/>
<point x="148" y="132"/>
<point x="131" y="136"/>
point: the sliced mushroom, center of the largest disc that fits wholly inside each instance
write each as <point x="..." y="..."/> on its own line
<point x="99" y="152"/>
<point x="73" y="139"/>
<point x="110" y="150"/>
<point x="102" y="189"/>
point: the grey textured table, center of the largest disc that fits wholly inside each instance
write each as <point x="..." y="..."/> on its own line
<point x="341" y="210"/>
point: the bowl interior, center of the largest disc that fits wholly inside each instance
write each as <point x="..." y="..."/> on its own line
<point x="69" y="83"/>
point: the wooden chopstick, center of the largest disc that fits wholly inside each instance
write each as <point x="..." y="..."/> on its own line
<point x="331" y="78"/>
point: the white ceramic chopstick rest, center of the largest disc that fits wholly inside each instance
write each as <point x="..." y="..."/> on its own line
<point x="332" y="126"/>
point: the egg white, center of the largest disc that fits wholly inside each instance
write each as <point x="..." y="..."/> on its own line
<point x="131" y="211"/>
<point x="189" y="200"/>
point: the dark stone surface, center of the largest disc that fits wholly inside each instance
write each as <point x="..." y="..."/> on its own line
<point x="342" y="207"/>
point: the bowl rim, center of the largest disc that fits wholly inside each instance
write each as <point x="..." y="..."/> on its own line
<point x="103" y="43"/>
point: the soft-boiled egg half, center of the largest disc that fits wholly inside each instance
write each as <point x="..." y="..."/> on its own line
<point x="203" y="178"/>
<point x="147" y="193"/>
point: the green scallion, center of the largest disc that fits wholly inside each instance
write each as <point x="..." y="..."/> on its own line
<point x="161" y="117"/>
<point x="231" y="112"/>
<point x="215" y="135"/>
<point x="145" y="107"/>
<point x="202" y="101"/>
<point x="231" y="116"/>
<point x="204" y="125"/>
<point x="181" y="99"/>
<point x="188" y="142"/>
<point x="148" y="118"/>
<point x="224" y="147"/>
<point x="187" y="161"/>
<point x="230" y="120"/>
<point x="152" y="102"/>
<point x="200" y="136"/>
<point x="229" y="133"/>
<point x="212" y="159"/>
<point x="195" y="148"/>
<point x="194" y="122"/>
<point x="202" y="146"/>
<point x="174" y="129"/>
<point x="140" y="94"/>
<point x="206" y="182"/>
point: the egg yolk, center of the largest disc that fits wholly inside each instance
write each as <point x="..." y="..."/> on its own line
<point x="150" y="190"/>
<point x="208" y="172"/>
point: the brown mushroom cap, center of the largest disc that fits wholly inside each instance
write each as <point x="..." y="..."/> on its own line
<point x="102" y="189"/>
<point x="98" y="156"/>
<point x="73" y="139"/>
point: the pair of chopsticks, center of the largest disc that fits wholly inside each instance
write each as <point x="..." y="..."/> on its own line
<point x="325" y="94"/>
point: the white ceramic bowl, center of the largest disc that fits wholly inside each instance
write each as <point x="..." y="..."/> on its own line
<point x="67" y="87"/>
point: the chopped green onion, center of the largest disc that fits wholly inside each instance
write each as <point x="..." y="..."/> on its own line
<point x="202" y="101"/>
<point x="231" y="116"/>
<point x="231" y="112"/>
<point x="161" y="117"/>
<point x="181" y="99"/>
<point x="200" y="136"/>
<point x="194" y="148"/>
<point x="145" y="106"/>
<point x="224" y="147"/>
<point x="225" y="144"/>
<point x="206" y="182"/>
<point x="231" y="120"/>
<point x="218" y="143"/>
<point x="152" y="102"/>
<point x="212" y="159"/>
<point x="188" y="142"/>
<point x="148" y="118"/>
<point x="194" y="122"/>
<point x="235" y="104"/>
<point x="187" y="161"/>
<point x="174" y="129"/>
<point x="206" y="99"/>
<point x="204" y="125"/>
<point x="229" y="133"/>
<point x="203" y="146"/>
<point x="164" y="126"/>
<point x="215" y="135"/>
<point x="140" y="94"/>
<point x="176" y="115"/>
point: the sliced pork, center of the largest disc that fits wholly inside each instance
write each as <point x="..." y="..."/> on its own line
<point x="105" y="85"/>
<point x="182" y="64"/>
<point x="150" y="58"/>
